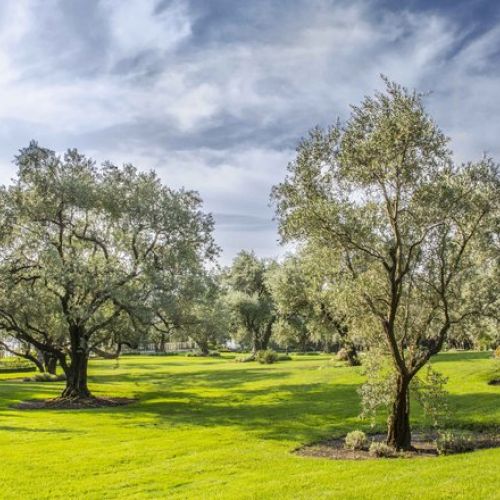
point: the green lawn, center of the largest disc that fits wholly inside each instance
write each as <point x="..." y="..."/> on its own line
<point x="214" y="428"/>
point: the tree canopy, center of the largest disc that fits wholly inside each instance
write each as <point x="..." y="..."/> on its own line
<point x="87" y="248"/>
<point x="401" y="220"/>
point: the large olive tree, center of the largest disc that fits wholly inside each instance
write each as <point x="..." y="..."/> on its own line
<point x="85" y="250"/>
<point x="249" y="300"/>
<point x="382" y="194"/>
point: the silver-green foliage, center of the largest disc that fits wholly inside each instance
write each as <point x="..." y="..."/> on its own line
<point x="86" y="250"/>
<point x="402" y="224"/>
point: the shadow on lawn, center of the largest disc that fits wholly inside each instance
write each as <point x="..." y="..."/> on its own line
<point x="12" y="428"/>
<point x="212" y="379"/>
<point x="282" y="412"/>
<point x="445" y="357"/>
<point x="294" y="412"/>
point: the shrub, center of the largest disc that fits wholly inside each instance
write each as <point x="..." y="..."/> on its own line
<point x="342" y="355"/>
<point x="381" y="450"/>
<point x="150" y="353"/>
<point x="356" y="440"/>
<point x="200" y="354"/>
<point x="266" y="357"/>
<point x="432" y="396"/>
<point x="449" y="442"/>
<point x="45" y="377"/>
<point x="13" y="365"/>
<point x="17" y="369"/>
<point x="496" y="353"/>
<point x="244" y="359"/>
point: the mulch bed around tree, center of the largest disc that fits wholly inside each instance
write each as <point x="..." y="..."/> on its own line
<point x="424" y="447"/>
<point x="72" y="404"/>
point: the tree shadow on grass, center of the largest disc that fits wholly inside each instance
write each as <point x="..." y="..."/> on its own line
<point x="284" y="412"/>
<point x="222" y="397"/>
<point x="13" y="428"/>
<point x="14" y="392"/>
<point x="290" y="412"/>
<point x="474" y="410"/>
<point x="212" y="379"/>
<point x="445" y="357"/>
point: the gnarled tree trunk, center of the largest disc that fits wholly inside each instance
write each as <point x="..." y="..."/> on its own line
<point x="399" y="430"/>
<point x="352" y="354"/>
<point x="76" y="372"/>
<point x="76" y="376"/>
<point x="203" y="346"/>
<point x="49" y="363"/>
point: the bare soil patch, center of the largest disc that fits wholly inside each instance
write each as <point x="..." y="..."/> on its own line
<point x="424" y="446"/>
<point x="72" y="404"/>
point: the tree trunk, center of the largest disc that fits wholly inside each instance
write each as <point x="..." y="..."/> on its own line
<point x="76" y="372"/>
<point x="162" y="342"/>
<point x="267" y="335"/>
<point x="49" y="363"/>
<point x="76" y="382"/>
<point x="399" y="431"/>
<point x="203" y="346"/>
<point x="352" y="354"/>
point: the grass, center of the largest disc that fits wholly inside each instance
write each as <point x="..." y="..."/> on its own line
<point x="213" y="428"/>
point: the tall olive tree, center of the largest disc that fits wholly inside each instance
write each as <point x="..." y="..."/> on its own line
<point x="207" y="318"/>
<point x="250" y="301"/>
<point x="383" y="195"/>
<point x="84" y="249"/>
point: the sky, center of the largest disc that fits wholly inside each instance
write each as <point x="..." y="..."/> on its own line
<point x="215" y="94"/>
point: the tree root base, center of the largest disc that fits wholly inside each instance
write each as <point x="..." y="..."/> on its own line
<point x="423" y="446"/>
<point x="72" y="403"/>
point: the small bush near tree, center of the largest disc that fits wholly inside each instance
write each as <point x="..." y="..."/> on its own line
<point x="431" y="394"/>
<point x="378" y="391"/>
<point x="449" y="442"/>
<point x="200" y="354"/>
<point x="349" y="355"/>
<point x="356" y="440"/>
<point x="381" y="450"/>
<point x="245" y="359"/>
<point x="342" y="355"/>
<point x="266" y="357"/>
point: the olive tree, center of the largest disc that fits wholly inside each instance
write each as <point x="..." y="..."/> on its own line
<point x="198" y="312"/>
<point x="382" y="194"/>
<point x="250" y="301"/>
<point x="85" y="248"/>
<point x="306" y="312"/>
<point x="207" y="320"/>
<point x="288" y="285"/>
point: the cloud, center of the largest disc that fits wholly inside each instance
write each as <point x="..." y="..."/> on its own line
<point x="215" y="95"/>
<point x="138" y="26"/>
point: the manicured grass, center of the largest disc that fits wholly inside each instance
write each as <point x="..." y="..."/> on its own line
<point x="213" y="428"/>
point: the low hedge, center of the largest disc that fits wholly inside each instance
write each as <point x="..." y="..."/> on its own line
<point x="17" y="369"/>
